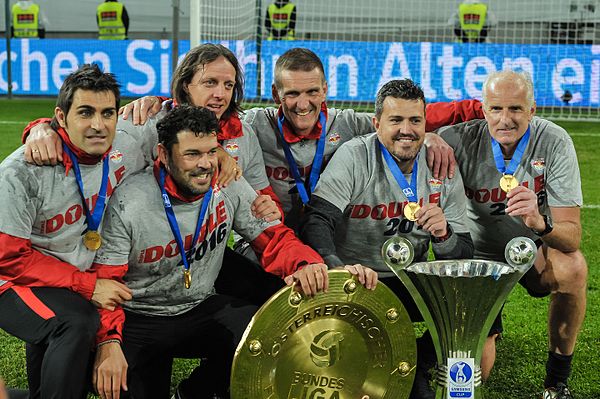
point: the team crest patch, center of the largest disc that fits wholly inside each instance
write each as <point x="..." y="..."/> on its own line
<point x="334" y="138"/>
<point x="116" y="156"/>
<point x="232" y="147"/>
<point x="434" y="184"/>
<point x="539" y="164"/>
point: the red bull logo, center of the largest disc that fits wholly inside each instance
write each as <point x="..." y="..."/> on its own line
<point x="539" y="164"/>
<point x="334" y="138"/>
<point x="435" y="184"/>
<point x="232" y="147"/>
<point x="115" y="156"/>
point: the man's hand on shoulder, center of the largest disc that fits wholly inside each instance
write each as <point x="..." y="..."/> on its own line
<point x="43" y="146"/>
<point x="440" y="156"/>
<point x="141" y="109"/>
<point x="229" y="169"/>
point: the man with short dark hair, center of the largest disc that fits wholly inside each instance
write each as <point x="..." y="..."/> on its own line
<point x="378" y="186"/>
<point x="50" y="231"/>
<point x="177" y="209"/>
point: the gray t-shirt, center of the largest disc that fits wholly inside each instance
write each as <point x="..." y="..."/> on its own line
<point x="342" y="125"/>
<point x="43" y="204"/>
<point x="360" y="184"/>
<point x="548" y="167"/>
<point x="137" y="233"/>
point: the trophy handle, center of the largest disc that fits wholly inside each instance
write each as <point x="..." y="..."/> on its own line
<point x="398" y="253"/>
<point x="520" y="253"/>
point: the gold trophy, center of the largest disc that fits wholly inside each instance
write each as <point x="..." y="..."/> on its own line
<point x="347" y="343"/>
<point x="459" y="300"/>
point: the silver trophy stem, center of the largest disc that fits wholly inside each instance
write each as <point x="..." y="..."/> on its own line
<point x="459" y="300"/>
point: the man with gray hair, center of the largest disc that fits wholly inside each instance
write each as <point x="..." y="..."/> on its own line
<point x="521" y="178"/>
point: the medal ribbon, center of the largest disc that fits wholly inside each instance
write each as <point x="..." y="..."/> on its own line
<point x="317" y="160"/>
<point x="173" y="220"/>
<point x="410" y="190"/>
<point x="516" y="158"/>
<point x="92" y="219"/>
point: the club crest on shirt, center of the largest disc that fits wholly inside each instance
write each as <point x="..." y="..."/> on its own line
<point x="116" y="156"/>
<point x="434" y="184"/>
<point x="232" y="147"/>
<point x="334" y="138"/>
<point x="539" y="164"/>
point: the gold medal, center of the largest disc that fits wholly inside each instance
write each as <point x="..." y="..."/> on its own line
<point x="187" y="279"/>
<point x="92" y="240"/>
<point x="508" y="182"/>
<point x="410" y="209"/>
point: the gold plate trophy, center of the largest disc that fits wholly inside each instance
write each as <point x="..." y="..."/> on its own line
<point x="347" y="343"/>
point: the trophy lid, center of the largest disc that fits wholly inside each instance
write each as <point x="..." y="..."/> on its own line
<point x="347" y="343"/>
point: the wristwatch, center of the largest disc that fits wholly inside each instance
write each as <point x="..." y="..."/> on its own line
<point x="547" y="228"/>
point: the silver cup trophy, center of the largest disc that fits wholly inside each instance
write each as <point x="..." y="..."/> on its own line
<point x="459" y="300"/>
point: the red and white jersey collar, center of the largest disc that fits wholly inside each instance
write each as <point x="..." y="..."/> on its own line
<point x="288" y="130"/>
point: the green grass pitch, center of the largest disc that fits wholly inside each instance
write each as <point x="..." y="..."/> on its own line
<point x="520" y="365"/>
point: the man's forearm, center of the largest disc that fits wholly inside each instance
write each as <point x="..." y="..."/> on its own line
<point x="457" y="246"/>
<point x="565" y="237"/>
<point x="317" y="229"/>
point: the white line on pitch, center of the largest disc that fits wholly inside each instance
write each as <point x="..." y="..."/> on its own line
<point x="13" y="123"/>
<point x="584" y="134"/>
<point x="591" y="206"/>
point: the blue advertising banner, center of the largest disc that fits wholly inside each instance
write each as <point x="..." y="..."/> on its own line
<point x="354" y="70"/>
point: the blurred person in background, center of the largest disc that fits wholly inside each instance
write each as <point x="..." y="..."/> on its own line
<point x="280" y="21"/>
<point x="28" y="20"/>
<point x="112" y="20"/>
<point x="472" y="21"/>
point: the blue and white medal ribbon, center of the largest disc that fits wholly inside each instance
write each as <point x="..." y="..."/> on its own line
<point x="508" y="181"/>
<point x="187" y="277"/>
<point x="91" y="238"/>
<point x="409" y="190"/>
<point x="317" y="161"/>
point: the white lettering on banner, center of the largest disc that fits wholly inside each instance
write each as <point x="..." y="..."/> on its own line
<point x="350" y="62"/>
<point x="426" y="71"/>
<point x="559" y="78"/>
<point x="396" y="52"/>
<point x="26" y="60"/>
<point x="519" y="64"/>
<point x="3" y="82"/>
<point x="140" y="66"/>
<point x="448" y="62"/>
<point x="99" y="57"/>
<point x="58" y="72"/>
<point x="240" y="53"/>
<point x="165" y="66"/>
<point x="473" y="80"/>
<point x="595" y="78"/>
<point x="274" y="59"/>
